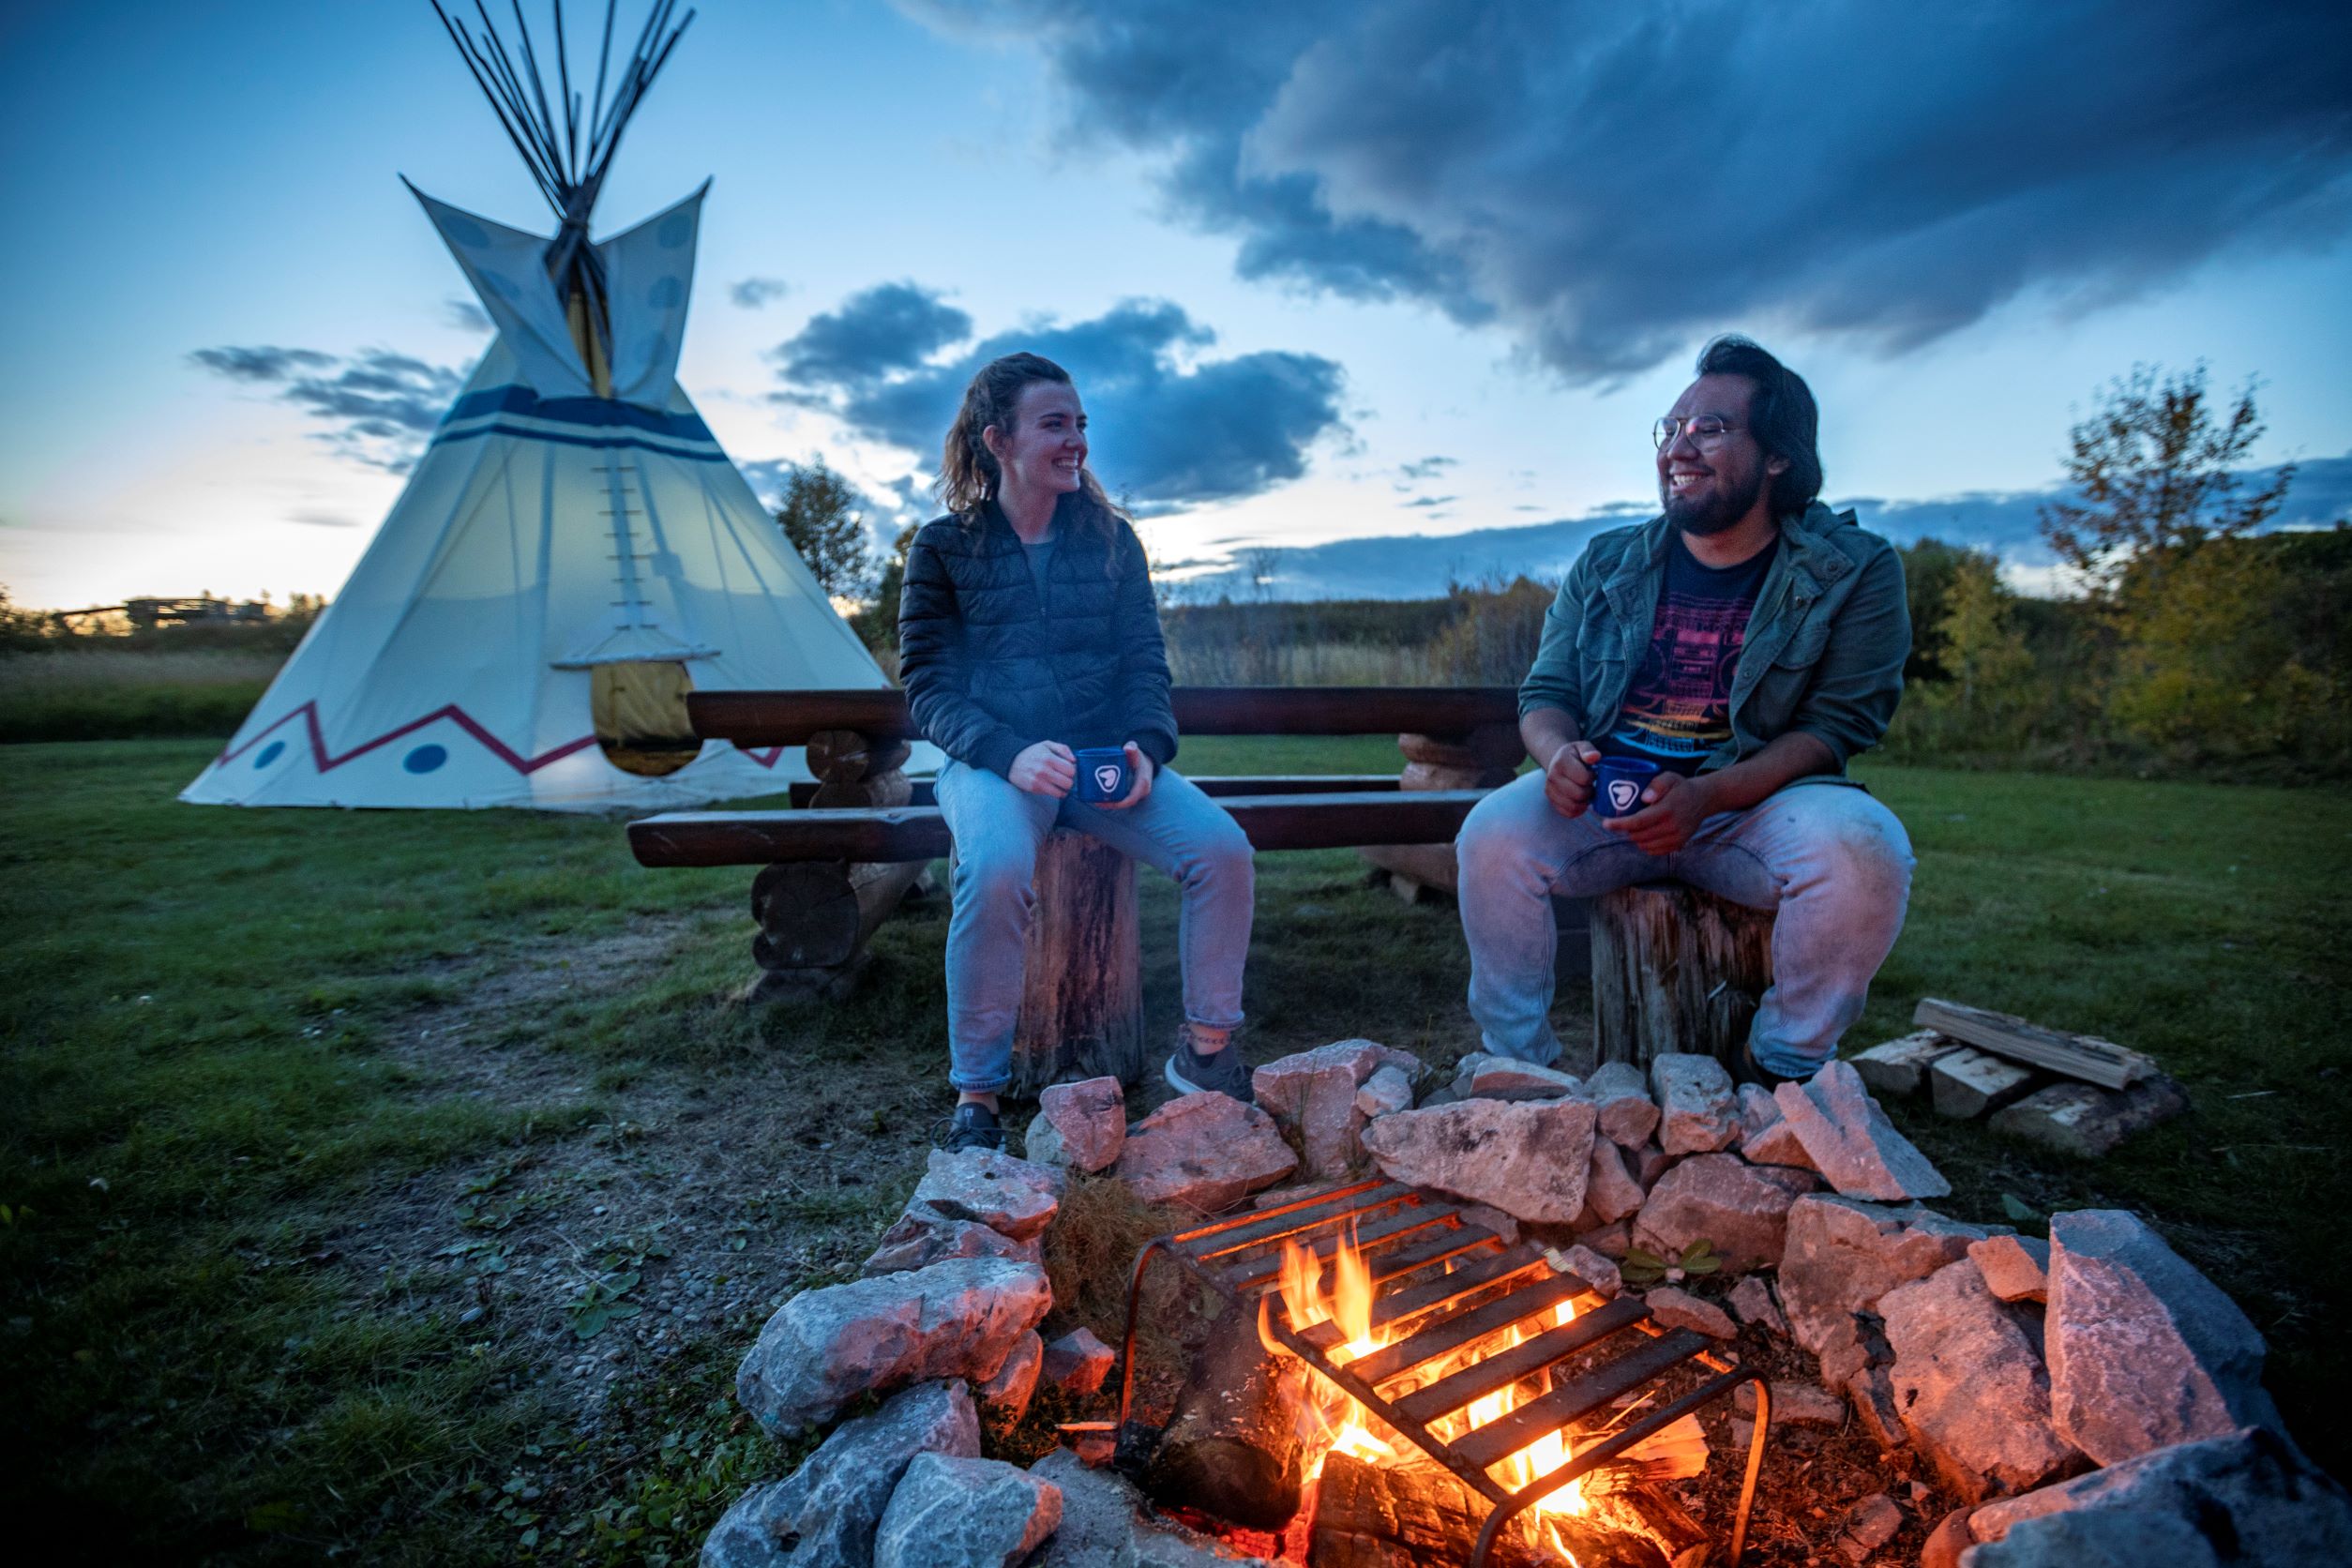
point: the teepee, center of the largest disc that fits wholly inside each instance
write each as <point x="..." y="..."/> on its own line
<point x="573" y="551"/>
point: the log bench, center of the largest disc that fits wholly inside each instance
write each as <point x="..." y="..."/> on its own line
<point x="1675" y="969"/>
<point x="834" y="868"/>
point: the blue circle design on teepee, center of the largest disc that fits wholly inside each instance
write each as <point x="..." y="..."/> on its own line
<point x="676" y="231"/>
<point x="665" y="293"/>
<point x="270" y="753"/>
<point x="424" y="758"/>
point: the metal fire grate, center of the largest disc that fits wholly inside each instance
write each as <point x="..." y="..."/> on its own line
<point x="1444" y="1282"/>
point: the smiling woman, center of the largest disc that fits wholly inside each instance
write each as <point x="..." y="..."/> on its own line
<point x="1030" y="643"/>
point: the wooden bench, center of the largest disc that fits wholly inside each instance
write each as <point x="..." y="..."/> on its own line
<point x="834" y="868"/>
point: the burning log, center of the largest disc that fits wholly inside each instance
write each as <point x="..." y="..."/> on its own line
<point x="1416" y="1515"/>
<point x="1232" y="1448"/>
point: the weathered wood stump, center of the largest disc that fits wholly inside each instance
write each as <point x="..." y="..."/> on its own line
<point x="815" y="918"/>
<point x="1676" y="969"/>
<point x="1082" y="972"/>
<point x="1483" y="759"/>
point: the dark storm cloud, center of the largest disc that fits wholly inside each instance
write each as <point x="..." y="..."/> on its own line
<point x="378" y="405"/>
<point x="1613" y="183"/>
<point x="1171" y="428"/>
<point x="890" y="327"/>
<point x="750" y="294"/>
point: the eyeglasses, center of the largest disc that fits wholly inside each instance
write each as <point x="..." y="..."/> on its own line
<point x="1707" y="431"/>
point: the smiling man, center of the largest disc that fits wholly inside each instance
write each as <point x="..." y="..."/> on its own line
<point x="1735" y="651"/>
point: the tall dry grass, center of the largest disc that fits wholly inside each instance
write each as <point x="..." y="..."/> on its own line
<point x="99" y="693"/>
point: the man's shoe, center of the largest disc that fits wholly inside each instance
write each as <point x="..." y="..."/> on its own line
<point x="1220" y="1072"/>
<point x="1745" y="1068"/>
<point x="973" y="1126"/>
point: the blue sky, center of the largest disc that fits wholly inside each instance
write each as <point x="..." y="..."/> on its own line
<point x="1327" y="272"/>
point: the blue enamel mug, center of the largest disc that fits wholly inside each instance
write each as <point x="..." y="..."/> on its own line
<point x="1104" y="775"/>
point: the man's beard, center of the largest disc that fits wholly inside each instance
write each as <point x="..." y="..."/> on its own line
<point x="1701" y="519"/>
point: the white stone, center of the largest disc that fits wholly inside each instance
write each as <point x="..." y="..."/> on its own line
<point x="1013" y="1196"/>
<point x="1612" y="1193"/>
<point x="1206" y="1152"/>
<point x="1698" y="1110"/>
<point x="1900" y="1066"/>
<point x="1968" y="1082"/>
<point x="2144" y="1351"/>
<point x="823" y="1348"/>
<point x="1314" y="1091"/>
<point x="1387" y="1091"/>
<point x="1673" y="1308"/>
<point x="951" y="1513"/>
<point x="1969" y="1384"/>
<point x="1627" y="1113"/>
<point x="1084" y="1123"/>
<point x="1743" y="1209"/>
<point x="923" y="1236"/>
<point x="1851" y="1142"/>
<point x="1533" y="1159"/>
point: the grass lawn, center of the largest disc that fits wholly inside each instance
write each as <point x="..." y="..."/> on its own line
<point x="406" y="1185"/>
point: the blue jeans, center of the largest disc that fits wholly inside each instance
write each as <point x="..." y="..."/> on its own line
<point x="1833" y="861"/>
<point x="997" y="830"/>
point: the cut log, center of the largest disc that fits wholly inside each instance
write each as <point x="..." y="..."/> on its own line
<point x="818" y="915"/>
<point x="1416" y="1515"/>
<point x="2077" y="1056"/>
<point x="1676" y="969"/>
<point x="846" y="756"/>
<point x="1966" y="1083"/>
<point x="1081" y="1012"/>
<point x="1232" y="1447"/>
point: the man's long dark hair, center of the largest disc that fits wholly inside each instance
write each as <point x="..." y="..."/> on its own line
<point x="1782" y="415"/>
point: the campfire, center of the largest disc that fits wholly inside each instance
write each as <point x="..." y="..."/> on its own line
<point x="1408" y="1364"/>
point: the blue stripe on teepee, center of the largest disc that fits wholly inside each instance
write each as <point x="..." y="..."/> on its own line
<point x="706" y="453"/>
<point x="516" y="398"/>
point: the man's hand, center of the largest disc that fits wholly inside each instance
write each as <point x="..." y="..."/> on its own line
<point x="1568" y="778"/>
<point x="1672" y="808"/>
<point x="1048" y="768"/>
<point x="1140" y="768"/>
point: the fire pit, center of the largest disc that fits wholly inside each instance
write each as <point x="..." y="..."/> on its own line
<point x="1424" y="1325"/>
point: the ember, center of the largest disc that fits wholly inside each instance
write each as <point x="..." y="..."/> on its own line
<point x="1431" y="1341"/>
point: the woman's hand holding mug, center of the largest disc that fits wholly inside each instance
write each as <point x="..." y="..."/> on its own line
<point x="1048" y="768"/>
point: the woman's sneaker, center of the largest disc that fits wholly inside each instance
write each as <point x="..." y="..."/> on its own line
<point x="1221" y="1070"/>
<point x="971" y="1127"/>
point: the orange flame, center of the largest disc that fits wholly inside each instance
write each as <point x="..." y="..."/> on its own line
<point x="1338" y="1423"/>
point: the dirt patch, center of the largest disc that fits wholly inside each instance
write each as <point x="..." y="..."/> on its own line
<point x="677" y="1209"/>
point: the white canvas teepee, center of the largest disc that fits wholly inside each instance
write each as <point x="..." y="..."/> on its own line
<point x="573" y="551"/>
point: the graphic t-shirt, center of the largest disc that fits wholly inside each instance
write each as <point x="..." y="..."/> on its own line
<point x="1678" y="710"/>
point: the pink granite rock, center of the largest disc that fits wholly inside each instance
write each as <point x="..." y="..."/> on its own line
<point x="1005" y="1397"/>
<point x="1612" y="1194"/>
<point x="1620" y="1094"/>
<point x="1674" y="1308"/>
<point x="1206" y="1152"/>
<point x="923" y="1236"/>
<point x="1087" y="1121"/>
<point x="1013" y="1196"/>
<point x="1698" y="1111"/>
<point x="1077" y="1362"/>
<point x="1721" y="1198"/>
<point x="1969" y="1385"/>
<point x="1533" y="1159"/>
<point x="1850" y="1140"/>
<point x="2016" y="1268"/>
<point x="1842" y="1253"/>
<point x="823" y="1348"/>
<point x="1314" y="1091"/>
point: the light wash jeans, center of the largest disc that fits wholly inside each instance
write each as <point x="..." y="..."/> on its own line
<point x="997" y="830"/>
<point x="1833" y="861"/>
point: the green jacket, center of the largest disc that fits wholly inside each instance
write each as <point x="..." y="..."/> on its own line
<point x="1823" y="655"/>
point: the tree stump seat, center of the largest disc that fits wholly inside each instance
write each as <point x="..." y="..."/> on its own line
<point x="1676" y="969"/>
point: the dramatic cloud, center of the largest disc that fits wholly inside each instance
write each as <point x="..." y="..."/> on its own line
<point x="1171" y="428"/>
<point x="750" y="294"/>
<point x="1612" y="184"/>
<point x="1408" y="566"/>
<point x="465" y="315"/>
<point x="890" y="327"/>
<point x="379" y="406"/>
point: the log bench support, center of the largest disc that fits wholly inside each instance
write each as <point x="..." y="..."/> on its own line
<point x="1676" y="969"/>
<point x="1483" y="759"/>
<point x="815" y="917"/>
<point x="1082" y="970"/>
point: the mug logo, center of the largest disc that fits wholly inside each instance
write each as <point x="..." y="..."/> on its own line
<point x="1623" y="793"/>
<point x="1106" y="778"/>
